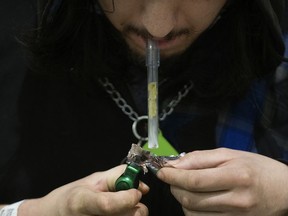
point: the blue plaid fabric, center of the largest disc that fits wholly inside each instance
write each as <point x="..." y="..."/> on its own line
<point x="235" y="128"/>
<point x="236" y="124"/>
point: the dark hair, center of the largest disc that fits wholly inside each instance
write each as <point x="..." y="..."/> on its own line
<point x="240" y="49"/>
<point x="77" y="39"/>
<point x="66" y="38"/>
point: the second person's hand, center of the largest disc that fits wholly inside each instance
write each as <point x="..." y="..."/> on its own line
<point x="92" y="195"/>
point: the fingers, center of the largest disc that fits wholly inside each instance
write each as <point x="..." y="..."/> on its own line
<point x="200" y="202"/>
<point x="202" y="213"/>
<point x="204" y="159"/>
<point x="94" y="195"/>
<point x="109" y="203"/>
<point x="144" y="188"/>
<point x="215" y="185"/>
<point x="112" y="175"/>
<point x="205" y="180"/>
<point x="220" y="201"/>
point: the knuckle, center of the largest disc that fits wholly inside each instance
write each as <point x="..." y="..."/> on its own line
<point x="246" y="203"/>
<point x="244" y="200"/>
<point x="180" y="197"/>
<point x="143" y="210"/>
<point x="105" y="204"/>
<point x="224" y="151"/>
<point x="194" y="183"/>
<point x="245" y="177"/>
<point x="185" y="201"/>
<point x="75" y="201"/>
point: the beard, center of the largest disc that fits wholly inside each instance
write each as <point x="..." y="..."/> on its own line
<point x="143" y="33"/>
<point x="127" y="55"/>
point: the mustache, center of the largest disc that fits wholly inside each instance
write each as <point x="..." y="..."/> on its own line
<point x="145" y="34"/>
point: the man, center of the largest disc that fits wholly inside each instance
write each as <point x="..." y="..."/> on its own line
<point x="219" y="99"/>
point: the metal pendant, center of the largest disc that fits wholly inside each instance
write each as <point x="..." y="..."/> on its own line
<point x="135" y="128"/>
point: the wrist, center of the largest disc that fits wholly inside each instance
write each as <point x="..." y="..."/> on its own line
<point x="10" y="210"/>
<point x="2" y="206"/>
<point x="29" y="207"/>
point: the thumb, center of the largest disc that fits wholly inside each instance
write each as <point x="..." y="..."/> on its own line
<point x="114" y="173"/>
<point x="204" y="159"/>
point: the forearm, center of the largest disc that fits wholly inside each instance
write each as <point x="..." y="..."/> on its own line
<point x="24" y="208"/>
<point x="30" y="207"/>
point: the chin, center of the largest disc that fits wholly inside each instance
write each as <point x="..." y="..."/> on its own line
<point x="170" y="55"/>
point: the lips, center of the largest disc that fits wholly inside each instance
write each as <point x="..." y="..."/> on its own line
<point x="164" y="43"/>
<point x="140" y="42"/>
<point x="168" y="46"/>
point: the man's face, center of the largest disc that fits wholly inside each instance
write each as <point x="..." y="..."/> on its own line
<point x="175" y="24"/>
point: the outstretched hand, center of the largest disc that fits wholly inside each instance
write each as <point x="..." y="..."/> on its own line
<point x="93" y="195"/>
<point x="228" y="182"/>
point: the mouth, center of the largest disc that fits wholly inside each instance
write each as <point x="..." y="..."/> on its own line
<point x="165" y="43"/>
<point x="167" y="46"/>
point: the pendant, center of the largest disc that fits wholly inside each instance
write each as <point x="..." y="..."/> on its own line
<point x="135" y="128"/>
<point x="165" y="148"/>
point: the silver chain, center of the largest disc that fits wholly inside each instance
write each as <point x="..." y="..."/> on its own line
<point x="128" y="110"/>
<point x="175" y="101"/>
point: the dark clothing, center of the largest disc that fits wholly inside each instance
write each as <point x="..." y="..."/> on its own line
<point x="67" y="132"/>
<point x="15" y="16"/>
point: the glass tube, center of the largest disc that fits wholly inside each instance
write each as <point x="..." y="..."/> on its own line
<point x="152" y="63"/>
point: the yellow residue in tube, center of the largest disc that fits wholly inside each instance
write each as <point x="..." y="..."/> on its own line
<point x="152" y="99"/>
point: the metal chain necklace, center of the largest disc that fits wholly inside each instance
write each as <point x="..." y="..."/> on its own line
<point x="129" y="111"/>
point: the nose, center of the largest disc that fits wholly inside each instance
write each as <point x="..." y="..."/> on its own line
<point x="159" y="17"/>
